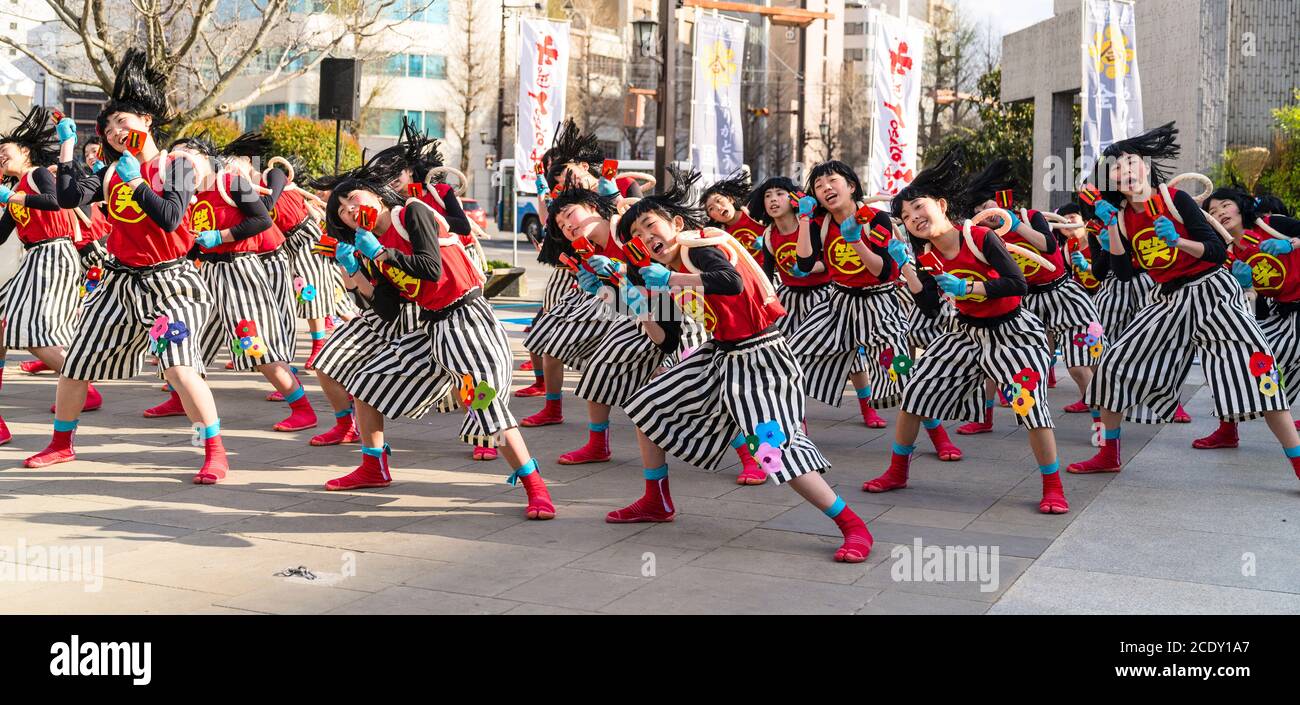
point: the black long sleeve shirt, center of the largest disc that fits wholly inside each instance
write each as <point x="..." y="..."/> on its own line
<point x="1194" y="225"/>
<point x="77" y="186"/>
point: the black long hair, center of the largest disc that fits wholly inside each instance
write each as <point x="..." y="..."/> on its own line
<point x="553" y="241"/>
<point x="249" y="144"/>
<point x="1158" y="146"/>
<point x="335" y="225"/>
<point x="1245" y="203"/>
<point x="1268" y="204"/>
<point x="675" y="202"/>
<point x="999" y="175"/>
<point x="570" y="145"/>
<point x="35" y="132"/>
<point x="734" y="188"/>
<point x="834" y="166"/>
<point x="140" y="89"/>
<point x="415" y="150"/>
<point x="942" y="180"/>
<point x="757" y="207"/>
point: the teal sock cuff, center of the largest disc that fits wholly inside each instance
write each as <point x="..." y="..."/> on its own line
<point x="554" y="397"/>
<point x="599" y="427"/>
<point x="375" y="452"/>
<point x="1292" y="452"/>
<point x="318" y="335"/>
<point x="524" y="470"/>
<point x="931" y="424"/>
<point x="295" y="395"/>
<point x="738" y="441"/>
<point x="658" y="473"/>
<point x="539" y="373"/>
<point x="835" y="509"/>
<point x="988" y="403"/>
<point x="1050" y="469"/>
<point x="212" y="431"/>
<point x="903" y="450"/>
<point x="65" y="425"/>
<point x="1111" y="434"/>
<point x="1096" y="415"/>
<point x="343" y="414"/>
<point x="864" y="393"/>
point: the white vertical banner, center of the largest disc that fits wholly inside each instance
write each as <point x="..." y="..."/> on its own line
<point x="543" y="80"/>
<point x="717" y="140"/>
<point x="1112" y="89"/>
<point x="898" y="48"/>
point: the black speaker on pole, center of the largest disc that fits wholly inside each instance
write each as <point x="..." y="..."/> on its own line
<point x="340" y="89"/>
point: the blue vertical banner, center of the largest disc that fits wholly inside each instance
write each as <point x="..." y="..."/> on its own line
<point x="717" y="138"/>
<point x="1112" y="88"/>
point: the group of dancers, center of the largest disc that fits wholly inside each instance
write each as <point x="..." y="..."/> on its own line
<point x="707" y="318"/>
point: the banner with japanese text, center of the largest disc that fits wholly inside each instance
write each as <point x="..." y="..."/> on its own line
<point x="896" y="86"/>
<point x="1112" y="89"/>
<point x="543" y="74"/>
<point x="717" y="139"/>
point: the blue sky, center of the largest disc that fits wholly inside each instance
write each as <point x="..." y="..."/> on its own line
<point x="1007" y="16"/>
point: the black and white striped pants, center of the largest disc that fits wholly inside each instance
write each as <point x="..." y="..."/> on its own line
<point x="352" y="345"/>
<point x="626" y="359"/>
<point x="1118" y="301"/>
<point x="279" y="271"/>
<point x="694" y="410"/>
<point x="830" y="343"/>
<point x="558" y="285"/>
<point x="1142" y="372"/>
<point x="922" y="330"/>
<point x="315" y="270"/>
<point x="798" y="302"/>
<point x="1066" y="312"/>
<point x="243" y="289"/>
<point x="93" y="254"/>
<point x="470" y="341"/>
<point x="42" y="298"/>
<point x="948" y="381"/>
<point x="571" y="330"/>
<point x="1282" y="331"/>
<point x="114" y="333"/>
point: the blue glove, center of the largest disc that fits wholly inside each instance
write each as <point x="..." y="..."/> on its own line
<point x="98" y="166"/>
<point x="1166" y="231"/>
<point x="953" y="285"/>
<point x="851" y="229"/>
<point x="601" y="265"/>
<point x="1104" y="238"/>
<point x="367" y="244"/>
<point x="796" y="272"/>
<point x="607" y="188"/>
<point x="1272" y="247"/>
<point x="1244" y="276"/>
<point x="1106" y="212"/>
<point x="66" y="129"/>
<point x="806" y="205"/>
<point x="128" y="167"/>
<point x="635" y="300"/>
<point x="1080" y="262"/>
<point x="588" y="282"/>
<point x="656" y="276"/>
<point x="901" y="253"/>
<point x="346" y="255"/>
<point x="6" y="193"/>
<point x="209" y="239"/>
<point x="758" y="244"/>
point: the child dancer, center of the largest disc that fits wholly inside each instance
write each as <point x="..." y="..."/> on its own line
<point x="411" y="258"/>
<point x="725" y="203"/>
<point x="776" y="204"/>
<point x="151" y="297"/>
<point x="1068" y="315"/>
<point x="1197" y="307"/>
<point x="745" y="379"/>
<point x="1265" y="258"/>
<point x="1079" y="252"/>
<point x="39" y="304"/>
<point x="993" y="337"/>
<point x="230" y="224"/>
<point x="859" y="330"/>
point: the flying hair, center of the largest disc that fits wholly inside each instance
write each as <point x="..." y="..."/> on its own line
<point x="35" y="132"/>
<point x="675" y="202"/>
<point x="139" y="89"/>
<point x="942" y="180"/>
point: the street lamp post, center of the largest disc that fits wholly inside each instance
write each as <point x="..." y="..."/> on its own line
<point x="666" y="129"/>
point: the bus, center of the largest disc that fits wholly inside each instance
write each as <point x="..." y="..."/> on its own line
<point x="517" y="210"/>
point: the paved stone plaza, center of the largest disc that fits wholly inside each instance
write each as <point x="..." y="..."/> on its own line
<point x="1177" y="531"/>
